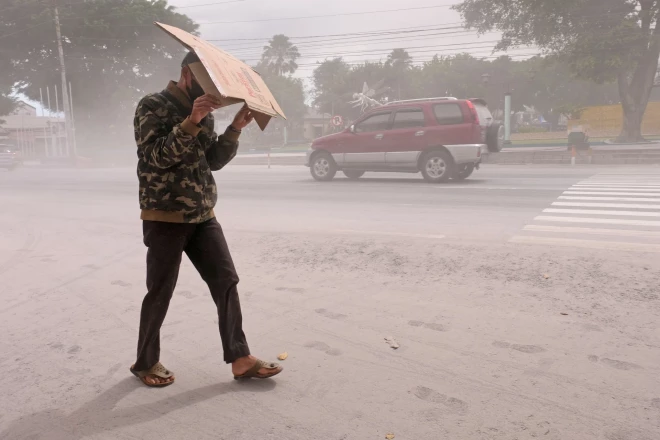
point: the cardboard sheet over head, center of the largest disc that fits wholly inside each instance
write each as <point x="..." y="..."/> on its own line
<point x="228" y="78"/>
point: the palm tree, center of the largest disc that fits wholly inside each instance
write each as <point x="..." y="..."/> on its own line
<point x="400" y="60"/>
<point x="280" y="55"/>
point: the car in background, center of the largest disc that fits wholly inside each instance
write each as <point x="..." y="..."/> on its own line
<point x="443" y="138"/>
<point x="10" y="157"/>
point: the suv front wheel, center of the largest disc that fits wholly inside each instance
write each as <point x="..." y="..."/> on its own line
<point x="323" y="167"/>
<point x="437" y="166"/>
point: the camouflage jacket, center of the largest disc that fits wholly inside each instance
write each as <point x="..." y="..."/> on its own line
<point x="176" y="157"/>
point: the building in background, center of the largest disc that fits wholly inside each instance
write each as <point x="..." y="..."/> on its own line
<point x="317" y="124"/>
<point x="35" y="136"/>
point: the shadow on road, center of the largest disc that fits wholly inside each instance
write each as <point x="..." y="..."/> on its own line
<point x="100" y="415"/>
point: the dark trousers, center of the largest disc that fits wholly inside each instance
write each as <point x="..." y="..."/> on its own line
<point x="206" y="247"/>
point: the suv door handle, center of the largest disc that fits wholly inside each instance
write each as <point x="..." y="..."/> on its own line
<point x="420" y="133"/>
<point x="379" y="136"/>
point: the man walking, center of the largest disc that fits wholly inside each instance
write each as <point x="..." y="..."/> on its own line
<point x="177" y="151"/>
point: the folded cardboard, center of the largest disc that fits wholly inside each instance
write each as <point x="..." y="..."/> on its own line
<point x="227" y="77"/>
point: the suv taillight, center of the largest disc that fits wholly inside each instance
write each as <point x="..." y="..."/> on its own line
<point x="473" y="111"/>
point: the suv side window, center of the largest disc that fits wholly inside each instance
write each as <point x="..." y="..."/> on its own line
<point x="377" y="122"/>
<point x="409" y="118"/>
<point x="448" y="114"/>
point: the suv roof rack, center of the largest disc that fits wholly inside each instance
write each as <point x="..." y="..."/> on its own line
<point x="441" y="98"/>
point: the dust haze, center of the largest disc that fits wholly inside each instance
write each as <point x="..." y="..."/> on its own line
<point x="453" y="234"/>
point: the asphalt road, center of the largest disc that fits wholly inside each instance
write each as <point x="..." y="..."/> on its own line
<point x="494" y="205"/>
<point x="525" y="302"/>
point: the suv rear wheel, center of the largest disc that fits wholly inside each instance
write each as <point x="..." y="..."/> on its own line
<point x="437" y="166"/>
<point x="464" y="171"/>
<point x="323" y="167"/>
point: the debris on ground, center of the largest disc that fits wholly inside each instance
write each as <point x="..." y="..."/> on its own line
<point x="283" y="356"/>
<point x="392" y="342"/>
<point x="389" y="436"/>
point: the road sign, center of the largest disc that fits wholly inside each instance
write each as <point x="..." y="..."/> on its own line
<point x="337" y="121"/>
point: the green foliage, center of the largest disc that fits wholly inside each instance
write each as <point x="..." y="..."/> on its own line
<point x="113" y="55"/>
<point x="544" y="83"/>
<point x="600" y="40"/>
<point x="289" y="93"/>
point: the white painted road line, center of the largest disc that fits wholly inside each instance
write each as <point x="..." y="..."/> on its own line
<point x="632" y="182"/>
<point x="619" y="185"/>
<point x="392" y="234"/>
<point x="611" y="199"/>
<point x="592" y="231"/>
<point x="600" y="221"/>
<point x="601" y="212"/>
<point x="611" y="193"/>
<point x="607" y="205"/>
<point x="612" y="188"/>
<point x="587" y="244"/>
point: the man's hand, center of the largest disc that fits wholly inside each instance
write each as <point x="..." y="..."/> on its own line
<point x="202" y="107"/>
<point x="243" y="118"/>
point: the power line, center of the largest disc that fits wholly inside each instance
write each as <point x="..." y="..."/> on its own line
<point x="155" y="17"/>
<point x="411" y="53"/>
<point x="356" y="39"/>
<point x="354" y="42"/>
<point x="208" y="4"/>
<point x="421" y="63"/>
<point x="332" y="42"/>
<point x="307" y="17"/>
<point x="388" y="50"/>
<point x="388" y="31"/>
<point x="82" y="2"/>
<point x="382" y="11"/>
<point x="436" y="52"/>
<point x="374" y="32"/>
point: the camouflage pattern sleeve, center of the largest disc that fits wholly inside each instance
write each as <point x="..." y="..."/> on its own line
<point x="159" y="145"/>
<point x="222" y="150"/>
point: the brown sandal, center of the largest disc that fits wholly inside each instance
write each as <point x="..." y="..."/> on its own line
<point x="274" y="370"/>
<point x="157" y="370"/>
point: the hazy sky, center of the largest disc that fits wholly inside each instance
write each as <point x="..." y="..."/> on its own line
<point x="423" y="27"/>
<point x="259" y="19"/>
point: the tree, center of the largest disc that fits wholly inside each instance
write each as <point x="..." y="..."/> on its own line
<point x="280" y="55"/>
<point x="400" y="59"/>
<point x="601" y="40"/>
<point x="113" y="54"/>
<point x="399" y="62"/>
<point x="332" y="89"/>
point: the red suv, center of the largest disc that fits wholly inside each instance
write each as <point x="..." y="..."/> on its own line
<point x="441" y="137"/>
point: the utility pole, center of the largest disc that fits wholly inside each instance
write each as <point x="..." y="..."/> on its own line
<point x="65" y="92"/>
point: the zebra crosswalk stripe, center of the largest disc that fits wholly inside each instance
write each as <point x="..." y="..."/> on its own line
<point x="591" y="214"/>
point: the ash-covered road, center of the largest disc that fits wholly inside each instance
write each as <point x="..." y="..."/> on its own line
<point x="525" y="301"/>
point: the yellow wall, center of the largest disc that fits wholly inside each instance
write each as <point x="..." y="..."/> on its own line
<point x="606" y="120"/>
